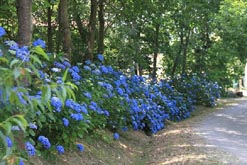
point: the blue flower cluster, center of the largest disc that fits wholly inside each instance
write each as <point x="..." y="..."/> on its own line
<point x="40" y="43"/>
<point x="9" y="142"/>
<point x="60" y="149"/>
<point x="44" y="141"/>
<point x="56" y="103"/>
<point x="30" y="149"/>
<point x="2" y="31"/>
<point x="80" y="147"/>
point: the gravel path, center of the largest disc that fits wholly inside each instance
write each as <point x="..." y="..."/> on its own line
<point x="226" y="130"/>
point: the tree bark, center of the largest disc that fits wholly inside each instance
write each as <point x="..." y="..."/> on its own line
<point x="101" y="27"/>
<point x="49" y="29"/>
<point x="24" y="14"/>
<point x="92" y="29"/>
<point x="65" y="28"/>
<point x="176" y="61"/>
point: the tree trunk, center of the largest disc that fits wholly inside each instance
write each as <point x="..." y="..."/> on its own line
<point x="176" y="61"/>
<point x="101" y="27"/>
<point x="64" y="28"/>
<point x="91" y="29"/>
<point x="82" y="30"/>
<point x="24" y="14"/>
<point x="245" y="76"/>
<point x="49" y="29"/>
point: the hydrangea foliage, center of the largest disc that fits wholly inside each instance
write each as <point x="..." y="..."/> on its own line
<point x="60" y="103"/>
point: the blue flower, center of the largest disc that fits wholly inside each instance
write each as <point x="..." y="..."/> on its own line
<point x="104" y="69"/>
<point x="87" y="94"/>
<point x="40" y="43"/>
<point x="75" y="76"/>
<point x="124" y="129"/>
<point x="96" y="72"/>
<point x="44" y="141"/>
<point x="21" y="162"/>
<point x="76" y="116"/>
<point x="67" y="64"/>
<point x="32" y="126"/>
<point x="12" y="45"/>
<point x="60" y="149"/>
<point x="23" y="54"/>
<point x="56" y="103"/>
<point x="30" y="149"/>
<point x="115" y="136"/>
<point x="120" y="91"/>
<point x="80" y="147"/>
<point x="41" y="74"/>
<point x="87" y="68"/>
<point x="87" y="62"/>
<point x="59" y="65"/>
<point x="75" y="68"/>
<point x="100" y="57"/>
<point x="22" y="100"/>
<point x="65" y="122"/>
<point x="2" y="31"/>
<point x="9" y="142"/>
<point x="107" y="113"/>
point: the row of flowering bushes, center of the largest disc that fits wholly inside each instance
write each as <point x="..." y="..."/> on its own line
<point x="47" y="104"/>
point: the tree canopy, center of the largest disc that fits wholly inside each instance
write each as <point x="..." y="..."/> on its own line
<point x="191" y="36"/>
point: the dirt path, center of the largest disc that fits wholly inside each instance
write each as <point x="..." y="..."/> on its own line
<point x="215" y="138"/>
<point x="212" y="136"/>
<point x="227" y="130"/>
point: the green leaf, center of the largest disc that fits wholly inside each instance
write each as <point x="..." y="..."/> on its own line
<point x="19" y="123"/>
<point x="38" y="50"/>
<point x="17" y="72"/>
<point x="50" y="115"/>
<point x="36" y="60"/>
<point x="46" y="92"/>
<point x="13" y="98"/>
<point x="65" y="75"/>
<point x="13" y="62"/>
<point x="7" y="127"/>
<point x="31" y="132"/>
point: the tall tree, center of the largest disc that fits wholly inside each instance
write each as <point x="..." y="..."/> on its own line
<point x="101" y="26"/>
<point x="65" y="28"/>
<point x="24" y="13"/>
<point x="92" y="30"/>
<point x="49" y="28"/>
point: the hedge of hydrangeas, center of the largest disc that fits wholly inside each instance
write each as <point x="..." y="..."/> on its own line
<point x="47" y="103"/>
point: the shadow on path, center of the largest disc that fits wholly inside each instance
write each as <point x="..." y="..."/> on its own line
<point x="226" y="130"/>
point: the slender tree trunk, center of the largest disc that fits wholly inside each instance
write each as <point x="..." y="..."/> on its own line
<point x="49" y="29"/>
<point x="92" y="29"/>
<point x="65" y="29"/>
<point x="101" y="27"/>
<point x="24" y="14"/>
<point x="80" y="27"/>
<point x="156" y="51"/>
<point x="176" y="61"/>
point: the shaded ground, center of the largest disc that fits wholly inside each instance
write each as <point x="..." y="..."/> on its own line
<point x="197" y="140"/>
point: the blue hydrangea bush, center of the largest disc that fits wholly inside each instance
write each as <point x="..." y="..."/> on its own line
<point x="198" y="88"/>
<point x="47" y="104"/>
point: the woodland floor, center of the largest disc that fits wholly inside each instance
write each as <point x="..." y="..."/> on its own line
<point x="178" y="143"/>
